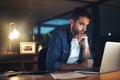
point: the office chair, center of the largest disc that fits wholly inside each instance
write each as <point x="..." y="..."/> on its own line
<point x="42" y="59"/>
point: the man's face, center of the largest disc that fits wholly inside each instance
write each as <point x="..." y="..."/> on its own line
<point x="79" y="26"/>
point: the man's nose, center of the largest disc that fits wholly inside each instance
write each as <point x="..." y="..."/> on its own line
<point x="84" y="28"/>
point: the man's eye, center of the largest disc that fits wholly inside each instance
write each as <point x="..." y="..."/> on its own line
<point x="81" y="23"/>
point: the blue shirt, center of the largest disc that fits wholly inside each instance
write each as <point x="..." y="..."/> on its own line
<point x="59" y="50"/>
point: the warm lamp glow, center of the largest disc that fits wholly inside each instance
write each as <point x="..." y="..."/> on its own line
<point x="14" y="34"/>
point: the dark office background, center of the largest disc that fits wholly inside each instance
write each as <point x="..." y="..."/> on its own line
<point x="38" y="22"/>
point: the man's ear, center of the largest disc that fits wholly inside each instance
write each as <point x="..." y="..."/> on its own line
<point x="71" y="22"/>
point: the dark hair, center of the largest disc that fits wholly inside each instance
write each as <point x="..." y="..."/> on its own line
<point x="77" y="12"/>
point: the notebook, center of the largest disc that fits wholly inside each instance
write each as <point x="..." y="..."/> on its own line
<point x="110" y="60"/>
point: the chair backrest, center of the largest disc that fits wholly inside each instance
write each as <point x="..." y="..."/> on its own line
<point x="42" y="59"/>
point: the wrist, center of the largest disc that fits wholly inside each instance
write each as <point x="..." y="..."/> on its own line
<point x="86" y="46"/>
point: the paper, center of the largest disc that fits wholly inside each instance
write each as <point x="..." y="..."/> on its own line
<point x="68" y="75"/>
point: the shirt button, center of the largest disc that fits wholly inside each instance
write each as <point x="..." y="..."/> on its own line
<point x="65" y="51"/>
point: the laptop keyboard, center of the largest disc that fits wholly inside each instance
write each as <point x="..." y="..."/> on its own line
<point x="94" y="69"/>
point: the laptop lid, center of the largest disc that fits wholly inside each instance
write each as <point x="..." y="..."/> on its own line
<point x="111" y="57"/>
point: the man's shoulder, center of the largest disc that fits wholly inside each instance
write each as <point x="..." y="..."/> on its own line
<point x="61" y="33"/>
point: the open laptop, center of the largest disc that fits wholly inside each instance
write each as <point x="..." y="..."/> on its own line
<point x="110" y="60"/>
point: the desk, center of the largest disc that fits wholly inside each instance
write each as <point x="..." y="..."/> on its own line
<point x="17" y="62"/>
<point x="105" y="76"/>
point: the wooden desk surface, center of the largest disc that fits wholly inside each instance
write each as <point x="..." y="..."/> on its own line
<point x="105" y="76"/>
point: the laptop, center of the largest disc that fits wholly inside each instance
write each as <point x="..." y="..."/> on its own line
<point x="110" y="60"/>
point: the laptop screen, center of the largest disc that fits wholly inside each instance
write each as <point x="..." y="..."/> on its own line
<point x="111" y="57"/>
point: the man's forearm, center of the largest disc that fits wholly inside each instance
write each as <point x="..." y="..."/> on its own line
<point x="86" y="52"/>
<point x="68" y="67"/>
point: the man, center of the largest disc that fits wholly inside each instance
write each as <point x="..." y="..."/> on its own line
<point x="69" y="49"/>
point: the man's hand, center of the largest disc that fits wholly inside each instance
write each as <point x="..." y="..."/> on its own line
<point x="86" y="64"/>
<point x="83" y="40"/>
